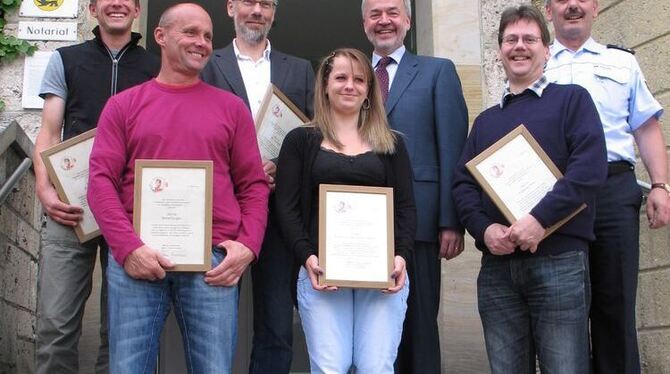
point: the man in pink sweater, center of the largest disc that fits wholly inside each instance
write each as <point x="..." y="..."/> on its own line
<point x="177" y="117"/>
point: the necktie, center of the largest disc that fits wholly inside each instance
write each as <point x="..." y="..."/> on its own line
<point x="383" y="76"/>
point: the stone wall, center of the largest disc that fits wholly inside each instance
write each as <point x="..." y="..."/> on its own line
<point x="20" y="215"/>
<point x="11" y="74"/>
<point x="20" y="221"/>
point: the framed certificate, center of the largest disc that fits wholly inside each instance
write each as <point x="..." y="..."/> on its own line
<point x="356" y="239"/>
<point x="172" y="212"/>
<point x="67" y="166"/>
<point x="276" y="116"/>
<point x="516" y="174"/>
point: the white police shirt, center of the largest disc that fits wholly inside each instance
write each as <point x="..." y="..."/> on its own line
<point x="617" y="87"/>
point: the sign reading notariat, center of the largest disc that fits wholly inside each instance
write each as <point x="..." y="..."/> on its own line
<point x="62" y="31"/>
<point x="49" y="8"/>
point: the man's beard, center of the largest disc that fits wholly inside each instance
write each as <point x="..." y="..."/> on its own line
<point x="249" y="35"/>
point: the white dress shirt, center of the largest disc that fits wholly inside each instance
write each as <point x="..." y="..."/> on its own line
<point x="256" y="76"/>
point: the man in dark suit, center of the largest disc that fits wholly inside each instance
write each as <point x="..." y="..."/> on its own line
<point x="246" y="67"/>
<point x="425" y="103"/>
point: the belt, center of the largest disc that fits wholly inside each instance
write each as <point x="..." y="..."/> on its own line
<point x="618" y="167"/>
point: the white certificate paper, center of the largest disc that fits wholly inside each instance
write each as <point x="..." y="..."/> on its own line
<point x="173" y="213"/>
<point x="518" y="175"/>
<point x="67" y="166"/>
<point x="275" y="118"/>
<point x="356" y="236"/>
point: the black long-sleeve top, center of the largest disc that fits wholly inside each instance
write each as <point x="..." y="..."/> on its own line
<point x="294" y="193"/>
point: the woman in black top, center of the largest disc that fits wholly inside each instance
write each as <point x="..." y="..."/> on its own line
<point x="349" y="142"/>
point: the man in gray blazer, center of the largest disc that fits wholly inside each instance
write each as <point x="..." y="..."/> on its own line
<point x="425" y="103"/>
<point x="246" y="67"/>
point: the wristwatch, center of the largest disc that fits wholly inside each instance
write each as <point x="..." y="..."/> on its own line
<point x="664" y="186"/>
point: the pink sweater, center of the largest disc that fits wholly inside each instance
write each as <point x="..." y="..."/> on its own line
<point x="198" y="122"/>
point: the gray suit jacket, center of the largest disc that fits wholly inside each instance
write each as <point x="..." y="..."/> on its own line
<point x="426" y="104"/>
<point x="293" y="76"/>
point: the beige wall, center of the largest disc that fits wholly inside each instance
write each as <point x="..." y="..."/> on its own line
<point x="456" y="34"/>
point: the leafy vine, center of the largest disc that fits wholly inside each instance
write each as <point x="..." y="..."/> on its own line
<point x="11" y="47"/>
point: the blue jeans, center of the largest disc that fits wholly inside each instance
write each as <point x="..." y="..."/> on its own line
<point x="540" y="301"/>
<point x="207" y="318"/>
<point x="351" y="327"/>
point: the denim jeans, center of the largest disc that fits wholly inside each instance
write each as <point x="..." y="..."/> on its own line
<point x="540" y="301"/>
<point x="64" y="285"/>
<point x="347" y="328"/>
<point x="206" y="315"/>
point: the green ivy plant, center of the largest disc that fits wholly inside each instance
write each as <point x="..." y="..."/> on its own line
<point x="11" y="47"/>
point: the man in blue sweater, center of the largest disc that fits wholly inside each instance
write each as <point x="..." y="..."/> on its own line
<point x="534" y="293"/>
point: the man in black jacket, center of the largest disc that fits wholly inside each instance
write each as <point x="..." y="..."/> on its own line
<point x="78" y="81"/>
<point x="246" y="67"/>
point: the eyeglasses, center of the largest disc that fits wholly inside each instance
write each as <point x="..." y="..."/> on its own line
<point x="512" y="40"/>
<point x="265" y="4"/>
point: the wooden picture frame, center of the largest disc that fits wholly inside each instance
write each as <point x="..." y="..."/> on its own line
<point x="275" y="118"/>
<point x="356" y="236"/>
<point x="172" y="210"/>
<point x="67" y="166"/>
<point x="516" y="173"/>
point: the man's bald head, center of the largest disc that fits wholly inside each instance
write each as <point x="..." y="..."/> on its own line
<point x="170" y="14"/>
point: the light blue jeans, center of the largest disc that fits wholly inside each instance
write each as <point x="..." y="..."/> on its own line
<point x="348" y="328"/>
<point x="207" y="318"/>
<point x="536" y="304"/>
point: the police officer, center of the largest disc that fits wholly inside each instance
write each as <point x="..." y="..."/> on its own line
<point x="629" y="114"/>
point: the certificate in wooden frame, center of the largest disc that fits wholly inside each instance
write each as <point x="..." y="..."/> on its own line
<point x="67" y="166"/>
<point x="521" y="136"/>
<point x="172" y="190"/>
<point x="276" y="116"/>
<point x="352" y="218"/>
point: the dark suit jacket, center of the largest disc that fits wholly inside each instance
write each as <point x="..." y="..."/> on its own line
<point x="293" y="76"/>
<point x="426" y="104"/>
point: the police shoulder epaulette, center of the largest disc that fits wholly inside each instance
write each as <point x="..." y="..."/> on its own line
<point x="621" y="48"/>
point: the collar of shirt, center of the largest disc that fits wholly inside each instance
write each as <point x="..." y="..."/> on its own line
<point x="396" y="56"/>
<point x="590" y="46"/>
<point x="537" y="87"/>
<point x="240" y="56"/>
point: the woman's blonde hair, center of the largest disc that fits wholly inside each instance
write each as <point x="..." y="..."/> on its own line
<point x="372" y="123"/>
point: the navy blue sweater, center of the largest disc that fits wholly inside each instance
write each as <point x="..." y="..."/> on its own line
<point x="566" y="124"/>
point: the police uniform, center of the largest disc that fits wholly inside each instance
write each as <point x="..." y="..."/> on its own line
<point x="614" y="79"/>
